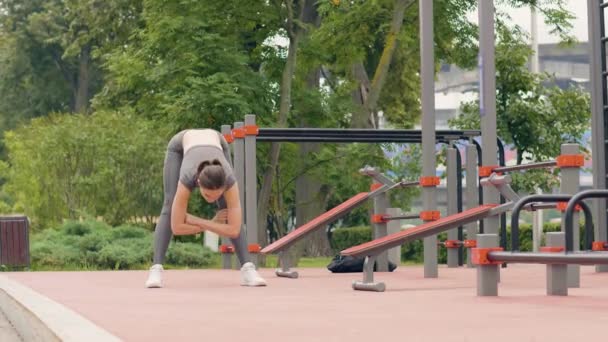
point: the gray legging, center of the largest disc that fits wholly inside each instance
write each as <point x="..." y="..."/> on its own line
<point x="163" y="233"/>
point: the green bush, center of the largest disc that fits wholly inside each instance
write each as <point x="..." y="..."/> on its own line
<point x="106" y="164"/>
<point x="189" y="254"/>
<point x="96" y="245"/>
<point x="343" y="238"/>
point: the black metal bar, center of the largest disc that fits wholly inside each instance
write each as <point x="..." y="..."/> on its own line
<point x="503" y="216"/>
<point x="480" y="189"/>
<point x="578" y="199"/>
<point x="546" y="198"/>
<point x="538" y="165"/>
<point x="402" y="217"/>
<point x="459" y="201"/>
<point x="344" y="139"/>
<point x="578" y="258"/>
<point x="360" y="131"/>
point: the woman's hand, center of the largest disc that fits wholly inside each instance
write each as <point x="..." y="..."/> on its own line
<point x="221" y="216"/>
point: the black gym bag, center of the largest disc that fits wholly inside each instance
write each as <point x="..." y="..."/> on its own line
<point x="349" y="264"/>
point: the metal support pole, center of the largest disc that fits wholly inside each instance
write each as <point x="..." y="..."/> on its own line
<point x="487" y="102"/>
<point x="393" y="226"/>
<point x="557" y="274"/>
<point x="427" y="78"/>
<point x="570" y="185"/>
<point x="487" y="275"/>
<point x="251" y="212"/>
<point x="598" y="100"/>
<point x="226" y="257"/>
<point x="238" y="148"/>
<point x="368" y="277"/>
<point x="472" y="193"/>
<point x="380" y="229"/>
<point x="285" y="264"/>
<point x="452" y="198"/>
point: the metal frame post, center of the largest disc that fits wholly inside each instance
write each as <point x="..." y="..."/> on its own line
<point x="598" y="100"/>
<point x="472" y="193"/>
<point x="487" y="275"/>
<point x="238" y="148"/>
<point x="393" y="226"/>
<point x="226" y="257"/>
<point x="368" y="277"/>
<point x="251" y="212"/>
<point x="380" y="229"/>
<point x="487" y="103"/>
<point x="452" y="199"/>
<point x="557" y="274"/>
<point x="427" y="79"/>
<point x="569" y="185"/>
<point x="285" y="262"/>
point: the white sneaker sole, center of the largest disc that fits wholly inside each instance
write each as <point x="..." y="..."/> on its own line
<point x="253" y="284"/>
<point x="153" y="285"/>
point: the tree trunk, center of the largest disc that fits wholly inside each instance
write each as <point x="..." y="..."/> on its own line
<point x="285" y="104"/>
<point x="360" y="118"/>
<point x="370" y="93"/>
<point x="81" y="92"/>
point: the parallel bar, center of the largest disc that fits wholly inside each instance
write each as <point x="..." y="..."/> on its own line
<point x="577" y="258"/>
<point x="569" y="214"/>
<point x="521" y="204"/>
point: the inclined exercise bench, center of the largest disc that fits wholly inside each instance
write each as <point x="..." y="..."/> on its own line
<point x="282" y="245"/>
<point x="370" y="250"/>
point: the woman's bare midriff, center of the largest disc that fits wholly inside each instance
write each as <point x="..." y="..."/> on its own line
<point x="196" y="137"/>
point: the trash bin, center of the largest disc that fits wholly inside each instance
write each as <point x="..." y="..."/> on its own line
<point x="14" y="241"/>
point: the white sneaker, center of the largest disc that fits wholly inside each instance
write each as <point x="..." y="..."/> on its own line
<point x="155" y="276"/>
<point x="250" y="277"/>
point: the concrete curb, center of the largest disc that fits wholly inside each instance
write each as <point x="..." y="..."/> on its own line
<point x="38" y="318"/>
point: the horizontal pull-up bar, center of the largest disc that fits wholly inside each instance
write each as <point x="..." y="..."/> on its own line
<point x="347" y="139"/>
<point x="357" y="135"/>
<point x="359" y="131"/>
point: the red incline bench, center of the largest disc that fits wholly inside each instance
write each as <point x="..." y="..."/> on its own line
<point x="371" y="249"/>
<point x="282" y="245"/>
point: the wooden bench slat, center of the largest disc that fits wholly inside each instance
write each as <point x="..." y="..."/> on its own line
<point x="320" y="221"/>
<point x="426" y="229"/>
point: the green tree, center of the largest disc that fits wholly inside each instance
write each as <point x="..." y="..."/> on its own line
<point x="50" y="52"/>
<point x="192" y="64"/>
<point x="532" y="115"/>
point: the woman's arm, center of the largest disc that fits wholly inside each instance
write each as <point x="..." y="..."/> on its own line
<point x="179" y="226"/>
<point x="232" y="228"/>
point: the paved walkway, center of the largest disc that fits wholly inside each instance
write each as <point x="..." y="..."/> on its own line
<point x="209" y="305"/>
<point x="7" y="332"/>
